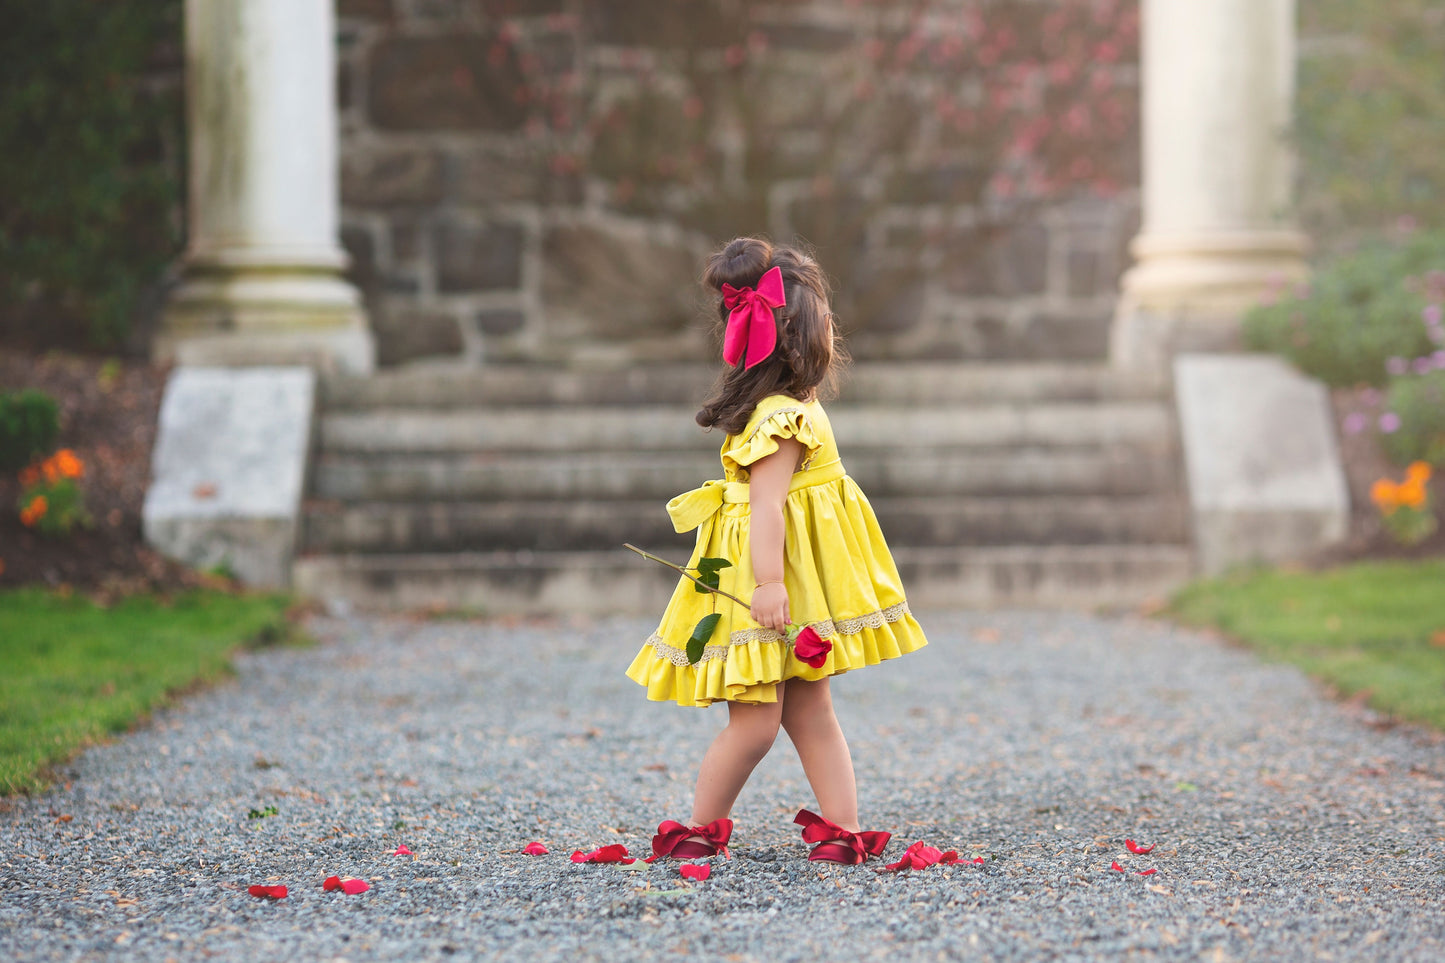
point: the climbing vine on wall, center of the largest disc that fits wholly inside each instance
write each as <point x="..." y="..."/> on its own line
<point x="90" y="178"/>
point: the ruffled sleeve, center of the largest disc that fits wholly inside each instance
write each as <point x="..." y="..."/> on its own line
<point x="761" y="439"/>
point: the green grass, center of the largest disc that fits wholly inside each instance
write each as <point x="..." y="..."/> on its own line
<point x="1373" y="628"/>
<point x="75" y="673"/>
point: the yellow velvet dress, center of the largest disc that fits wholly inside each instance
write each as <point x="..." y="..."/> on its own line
<point x="837" y="569"/>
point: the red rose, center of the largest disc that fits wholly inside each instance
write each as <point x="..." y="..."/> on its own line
<point x="812" y="648"/>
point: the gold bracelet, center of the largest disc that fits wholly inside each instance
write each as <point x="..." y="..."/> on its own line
<point x="770" y="581"/>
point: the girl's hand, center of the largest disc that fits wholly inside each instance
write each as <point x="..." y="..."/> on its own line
<point x="770" y="606"/>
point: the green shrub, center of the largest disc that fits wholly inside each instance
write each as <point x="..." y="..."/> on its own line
<point x="1359" y="311"/>
<point x="29" y="428"/>
<point x="90" y="177"/>
<point x="1371" y="94"/>
<point x="1418" y="400"/>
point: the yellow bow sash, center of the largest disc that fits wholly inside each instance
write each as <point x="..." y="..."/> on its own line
<point x="691" y="509"/>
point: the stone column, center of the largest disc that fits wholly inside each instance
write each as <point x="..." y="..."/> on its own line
<point x="262" y="273"/>
<point x="1218" y="88"/>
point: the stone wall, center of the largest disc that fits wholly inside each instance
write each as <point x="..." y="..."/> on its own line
<point x="539" y="179"/>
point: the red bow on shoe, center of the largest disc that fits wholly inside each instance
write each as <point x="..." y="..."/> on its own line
<point x="673" y="836"/>
<point x="838" y="844"/>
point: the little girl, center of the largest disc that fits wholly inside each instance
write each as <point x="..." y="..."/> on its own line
<point x="804" y="547"/>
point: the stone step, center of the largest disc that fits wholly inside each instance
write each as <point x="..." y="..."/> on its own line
<point x="596" y="583"/>
<point x="670" y="428"/>
<point x="1118" y="469"/>
<point x="585" y="525"/>
<point x="894" y="383"/>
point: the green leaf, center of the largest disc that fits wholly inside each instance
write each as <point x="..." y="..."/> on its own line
<point x="707" y="573"/>
<point x="700" y="635"/>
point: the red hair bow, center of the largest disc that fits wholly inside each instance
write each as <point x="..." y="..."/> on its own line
<point x="751" y="327"/>
<point x="848" y="847"/>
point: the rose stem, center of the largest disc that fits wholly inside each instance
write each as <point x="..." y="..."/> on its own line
<point x="678" y="568"/>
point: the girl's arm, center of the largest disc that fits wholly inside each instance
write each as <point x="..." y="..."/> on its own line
<point x="769" y="478"/>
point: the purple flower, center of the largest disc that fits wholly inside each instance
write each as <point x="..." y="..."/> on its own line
<point x="1397" y="366"/>
<point x="1389" y="422"/>
<point x="1356" y="422"/>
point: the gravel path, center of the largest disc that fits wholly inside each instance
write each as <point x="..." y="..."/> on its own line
<point x="1288" y="826"/>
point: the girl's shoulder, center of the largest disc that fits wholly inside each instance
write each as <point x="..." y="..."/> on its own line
<point x="776" y="404"/>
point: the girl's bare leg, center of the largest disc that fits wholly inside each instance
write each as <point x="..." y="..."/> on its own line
<point x="733" y="755"/>
<point x="812" y="726"/>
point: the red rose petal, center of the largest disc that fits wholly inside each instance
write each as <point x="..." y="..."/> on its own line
<point x="978" y="860"/>
<point x="1148" y="872"/>
<point x="269" y="892"/>
<point x="692" y="871"/>
<point x="616" y="853"/>
<point x="351" y="886"/>
<point x="1138" y="850"/>
<point x="1116" y="867"/>
<point x="535" y="849"/>
<point x="811" y="648"/>
<point x="920" y="856"/>
<point x="402" y="851"/>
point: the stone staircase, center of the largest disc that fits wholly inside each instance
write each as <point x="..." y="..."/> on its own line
<point x="511" y="489"/>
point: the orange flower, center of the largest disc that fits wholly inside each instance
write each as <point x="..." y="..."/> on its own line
<point x="35" y="511"/>
<point x="1418" y="472"/>
<point x="68" y="464"/>
<point x="1386" y="495"/>
<point x="52" y="473"/>
<point x="1412" y="494"/>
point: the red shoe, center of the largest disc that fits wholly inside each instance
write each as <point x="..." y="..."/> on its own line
<point x="836" y="844"/>
<point x="676" y="840"/>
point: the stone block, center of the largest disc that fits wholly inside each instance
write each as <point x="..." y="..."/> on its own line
<point x="607" y="283"/>
<point x="478" y="258"/>
<point x="648" y="24"/>
<point x="391" y="177"/>
<point x="500" y="321"/>
<point x="1265" y="480"/>
<point x="456" y="82"/>
<point x="488" y="176"/>
<point x="405" y="334"/>
<point x="364" y="9"/>
<point x="1005" y="262"/>
<point x="229" y="468"/>
<point x="521" y="8"/>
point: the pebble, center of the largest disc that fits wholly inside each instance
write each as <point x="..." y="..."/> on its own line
<point x="1288" y="825"/>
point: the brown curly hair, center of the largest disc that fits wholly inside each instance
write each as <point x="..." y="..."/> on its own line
<point x="808" y="356"/>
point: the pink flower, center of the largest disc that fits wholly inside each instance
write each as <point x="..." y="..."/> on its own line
<point x="1389" y="422"/>
<point x="1356" y="422"/>
<point x="1433" y="314"/>
<point x="1397" y="366"/>
<point x="811" y="648"/>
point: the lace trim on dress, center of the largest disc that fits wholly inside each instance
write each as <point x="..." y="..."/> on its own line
<point x="827" y="629"/>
